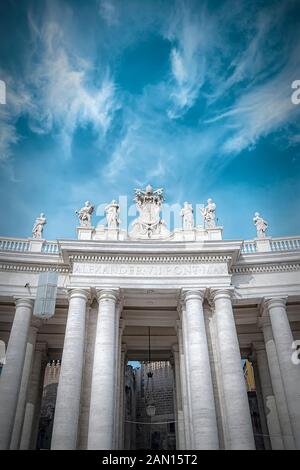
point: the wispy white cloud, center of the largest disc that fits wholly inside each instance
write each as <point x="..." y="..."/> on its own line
<point x="64" y="98"/>
<point x="17" y="103"/>
<point x="190" y="35"/>
<point x="57" y="92"/>
<point x="259" y="111"/>
<point x="109" y="12"/>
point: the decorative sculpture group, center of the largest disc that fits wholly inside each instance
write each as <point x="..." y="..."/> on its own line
<point x="149" y="223"/>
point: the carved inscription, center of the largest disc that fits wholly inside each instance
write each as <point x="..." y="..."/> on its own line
<point x="150" y="270"/>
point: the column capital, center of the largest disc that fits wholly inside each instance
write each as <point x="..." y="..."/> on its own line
<point x="108" y="294"/>
<point x="79" y="293"/>
<point x="193" y="294"/>
<point x="24" y="302"/>
<point x="275" y="302"/>
<point x="221" y="293"/>
<point x="175" y="348"/>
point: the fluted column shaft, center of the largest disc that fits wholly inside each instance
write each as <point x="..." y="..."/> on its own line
<point x="239" y="425"/>
<point x="290" y="372"/>
<point x="11" y="376"/>
<point x="65" y="426"/>
<point x="205" y="431"/>
<point x="103" y="394"/>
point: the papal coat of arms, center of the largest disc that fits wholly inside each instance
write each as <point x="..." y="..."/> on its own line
<point x="149" y="223"/>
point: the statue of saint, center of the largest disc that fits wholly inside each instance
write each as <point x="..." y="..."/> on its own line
<point x="209" y="214"/>
<point x="37" y="230"/>
<point x="85" y="214"/>
<point x="260" y="224"/>
<point x="112" y="215"/>
<point x="187" y="215"/>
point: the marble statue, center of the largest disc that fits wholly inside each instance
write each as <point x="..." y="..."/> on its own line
<point x="85" y="214"/>
<point x="149" y="223"/>
<point x="260" y="224"/>
<point x="209" y="214"/>
<point x="37" y="230"/>
<point x="187" y="215"/>
<point x="112" y="215"/>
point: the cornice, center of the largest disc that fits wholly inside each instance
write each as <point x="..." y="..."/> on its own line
<point x="33" y="267"/>
<point x="150" y="258"/>
<point x="265" y="268"/>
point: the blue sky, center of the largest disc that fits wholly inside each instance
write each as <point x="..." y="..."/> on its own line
<point x="104" y="96"/>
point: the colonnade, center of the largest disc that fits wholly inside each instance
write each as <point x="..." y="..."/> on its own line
<point x="197" y="423"/>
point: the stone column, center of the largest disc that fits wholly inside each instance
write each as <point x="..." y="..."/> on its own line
<point x="184" y="391"/>
<point x="103" y="394"/>
<point x="239" y="425"/>
<point x="20" y="411"/>
<point x="38" y="405"/>
<point x="11" y="376"/>
<point x="32" y="397"/>
<point x="205" y="429"/>
<point x="180" y="437"/>
<point x="186" y="378"/>
<point x="122" y="397"/>
<point x="290" y="372"/>
<point x="118" y="382"/>
<point x="65" y="426"/>
<point x="277" y="384"/>
<point x="269" y="402"/>
<point x="260" y="404"/>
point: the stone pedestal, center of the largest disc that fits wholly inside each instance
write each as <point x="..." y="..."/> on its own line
<point x="85" y="233"/>
<point x="36" y="245"/>
<point x="263" y="244"/>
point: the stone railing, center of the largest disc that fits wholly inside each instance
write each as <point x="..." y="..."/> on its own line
<point x="271" y="244"/>
<point x="28" y="245"/>
<point x="52" y="247"/>
<point x="249" y="246"/>
<point x="14" y="244"/>
<point x="285" y="244"/>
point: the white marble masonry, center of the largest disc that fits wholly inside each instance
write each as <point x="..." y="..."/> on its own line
<point x="65" y="427"/>
<point x="239" y="426"/>
<point x="11" y="376"/>
<point x="102" y="407"/>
